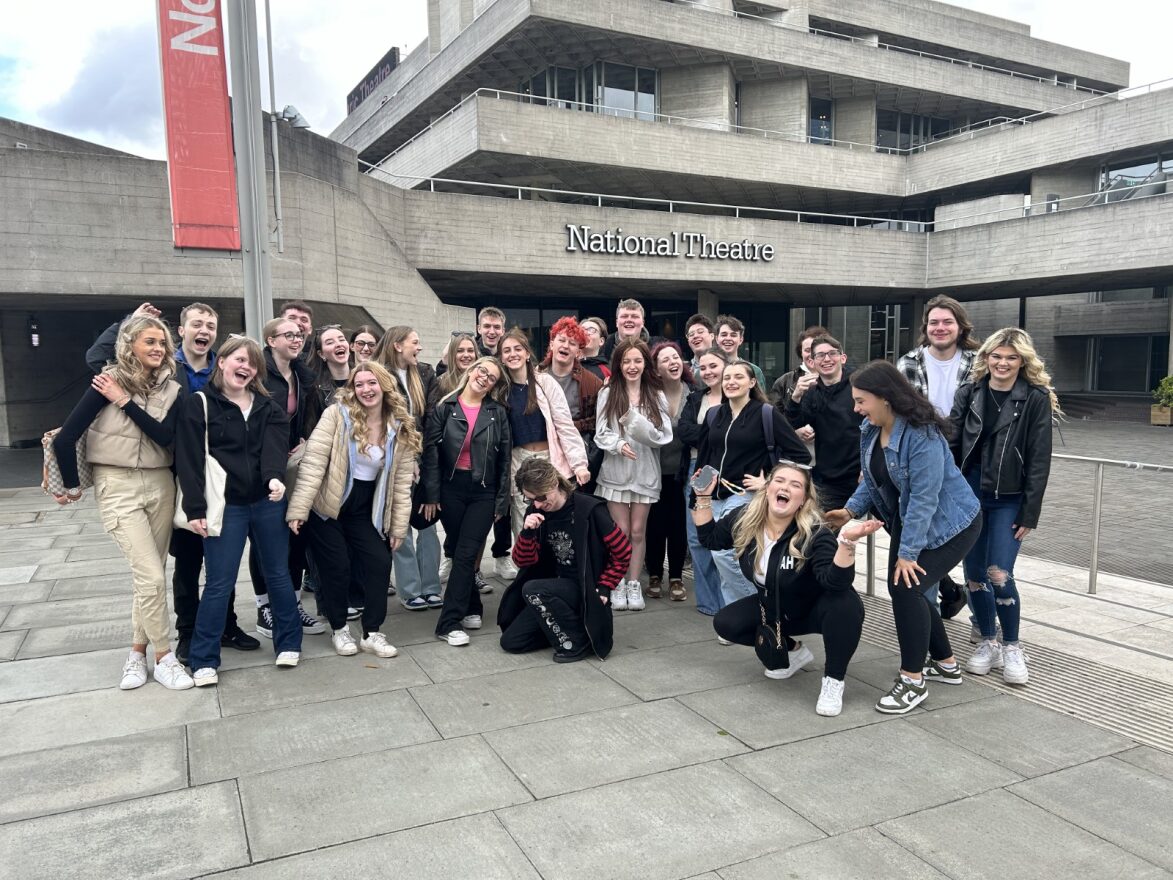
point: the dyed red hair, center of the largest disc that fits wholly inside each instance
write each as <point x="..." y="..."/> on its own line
<point x="569" y="326"/>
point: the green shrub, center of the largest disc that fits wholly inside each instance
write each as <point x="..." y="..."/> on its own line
<point x="1163" y="394"/>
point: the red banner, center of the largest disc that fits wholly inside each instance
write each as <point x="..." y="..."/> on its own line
<point x="199" y="129"/>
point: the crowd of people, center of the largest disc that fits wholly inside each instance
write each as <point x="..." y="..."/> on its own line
<point x="335" y="453"/>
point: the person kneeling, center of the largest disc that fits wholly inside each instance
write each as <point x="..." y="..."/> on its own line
<point x="571" y="555"/>
<point x="803" y="576"/>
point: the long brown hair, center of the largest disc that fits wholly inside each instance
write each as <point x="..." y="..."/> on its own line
<point x="451" y="377"/>
<point x="531" y="376"/>
<point x="388" y="355"/>
<point x="650" y="387"/>
<point x="395" y="412"/>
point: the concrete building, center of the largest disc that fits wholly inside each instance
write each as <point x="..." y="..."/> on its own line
<point x="788" y="161"/>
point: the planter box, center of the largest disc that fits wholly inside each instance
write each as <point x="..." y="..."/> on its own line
<point x="1161" y="415"/>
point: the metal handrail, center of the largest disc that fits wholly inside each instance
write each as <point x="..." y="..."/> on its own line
<point x="1089" y="200"/>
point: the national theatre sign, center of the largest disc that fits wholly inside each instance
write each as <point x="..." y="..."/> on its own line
<point x="690" y="245"/>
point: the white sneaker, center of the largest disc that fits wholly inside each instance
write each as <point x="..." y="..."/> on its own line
<point x="376" y="643"/>
<point x="473" y="621"/>
<point x="457" y="638"/>
<point x="504" y="568"/>
<point x="830" y="697"/>
<point x="721" y="640"/>
<point x="799" y="657"/>
<point x="170" y="673"/>
<point x="635" y="595"/>
<point x="205" y="676"/>
<point x="619" y="597"/>
<point x="1014" y="669"/>
<point x="986" y="656"/>
<point x="343" y="641"/>
<point x="134" y="673"/>
<point x="288" y="659"/>
<point x="445" y="568"/>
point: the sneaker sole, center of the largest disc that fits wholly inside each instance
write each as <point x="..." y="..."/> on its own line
<point x="782" y="674"/>
<point x="348" y="651"/>
<point x="181" y="686"/>
<point x="286" y="664"/>
<point x="423" y="607"/>
<point x="265" y="631"/>
<point x="1014" y="679"/>
<point x="829" y="713"/>
<point x="206" y="682"/>
<point x="902" y="710"/>
<point x="452" y="643"/>
<point x="930" y="673"/>
<point x="384" y="655"/>
<point x="316" y="629"/>
<point x="133" y="686"/>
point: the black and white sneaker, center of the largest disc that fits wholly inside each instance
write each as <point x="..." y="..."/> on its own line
<point x="905" y="696"/>
<point x="265" y="621"/>
<point x="309" y="624"/>
<point x="943" y="674"/>
<point x="483" y="586"/>
<point x="353" y="613"/>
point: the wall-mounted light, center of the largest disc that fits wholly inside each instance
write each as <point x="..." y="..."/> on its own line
<point x="34" y="332"/>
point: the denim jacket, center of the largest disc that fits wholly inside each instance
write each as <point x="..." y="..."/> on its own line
<point x="936" y="502"/>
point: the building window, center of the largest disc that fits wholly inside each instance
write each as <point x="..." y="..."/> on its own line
<point x="821" y="126"/>
<point x="604" y="87"/>
<point x="1147" y="177"/>
<point x="1128" y="364"/>
<point x="889" y="333"/>
<point x="906" y="131"/>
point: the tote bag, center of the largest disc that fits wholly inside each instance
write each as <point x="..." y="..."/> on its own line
<point x="215" y="479"/>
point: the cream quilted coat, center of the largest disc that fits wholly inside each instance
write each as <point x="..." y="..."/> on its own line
<point x="324" y="477"/>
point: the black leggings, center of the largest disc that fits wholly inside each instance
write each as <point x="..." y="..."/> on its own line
<point x="466" y="510"/>
<point x="838" y="617"/>
<point x="919" y="627"/>
<point x="666" y="526"/>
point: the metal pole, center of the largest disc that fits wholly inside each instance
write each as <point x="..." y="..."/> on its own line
<point x="1097" y="499"/>
<point x="248" y="141"/>
<point x="273" y="133"/>
<point x="871" y="585"/>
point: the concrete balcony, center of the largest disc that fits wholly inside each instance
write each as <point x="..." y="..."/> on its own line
<point x="1118" y="319"/>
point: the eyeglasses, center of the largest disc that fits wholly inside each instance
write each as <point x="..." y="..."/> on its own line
<point x="365" y="344"/>
<point x="826" y="355"/>
<point x="484" y="371"/>
<point x="456" y="333"/>
<point x="540" y="499"/>
<point x="289" y="336"/>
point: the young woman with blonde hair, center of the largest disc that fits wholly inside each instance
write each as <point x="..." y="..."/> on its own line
<point x="128" y="415"/>
<point x="802" y="573"/>
<point x="1002" y="444"/>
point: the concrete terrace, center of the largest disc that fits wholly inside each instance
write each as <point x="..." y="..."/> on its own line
<point x="675" y="758"/>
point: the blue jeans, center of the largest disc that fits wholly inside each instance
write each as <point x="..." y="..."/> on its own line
<point x="996" y="549"/>
<point x="266" y="521"/>
<point x="417" y="565"/>
<point x="734" y="584"/>
<point x="706" y="581"/>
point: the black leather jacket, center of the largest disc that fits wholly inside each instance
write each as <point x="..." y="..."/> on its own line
<point x="1016" y="459"/>
<point x="491" y="449"/>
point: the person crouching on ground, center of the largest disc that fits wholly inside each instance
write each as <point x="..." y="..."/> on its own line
<point x="799" y="568"/>
<point x="571" y="555"/>
<point x="357" y="473"/>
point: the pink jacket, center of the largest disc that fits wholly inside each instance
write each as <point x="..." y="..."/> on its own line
<point x="567" y="451"/>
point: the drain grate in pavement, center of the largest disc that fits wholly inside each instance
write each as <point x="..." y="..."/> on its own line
<point x="1131" y="705"/>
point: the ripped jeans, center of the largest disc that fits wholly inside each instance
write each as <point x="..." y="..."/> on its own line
<point x="991" y="565"/>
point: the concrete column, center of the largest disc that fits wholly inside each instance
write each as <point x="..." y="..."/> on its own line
<point x="855" y="120"/>
<point x="435" y="43"/>
<point x="776" y="105"/>
<point x="1064" y="183"/>
<point x="704" y="92"/>
<point x="707" y="304"/>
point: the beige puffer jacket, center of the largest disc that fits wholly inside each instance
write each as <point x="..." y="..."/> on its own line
<point x="324" y="473"/>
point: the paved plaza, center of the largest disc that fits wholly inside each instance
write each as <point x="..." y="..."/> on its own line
<point x="674" y="758"/>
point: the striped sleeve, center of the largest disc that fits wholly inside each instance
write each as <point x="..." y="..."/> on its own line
<point x="619" y="556"/>
<point x="526" y="549"/>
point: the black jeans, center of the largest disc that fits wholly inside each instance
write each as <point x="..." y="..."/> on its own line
<point x="188" y="550"/>
<point x="552" y="618"/>
<point x="349" y="552"/>
<point x="919" y="627"/>
<point x="838" y="617"/>
<point x="666" y="528"/>
<point x="466" y="510"/>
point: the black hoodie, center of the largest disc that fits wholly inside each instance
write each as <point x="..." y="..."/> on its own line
<point x="830" y="410"/>
<point x="737" y="446"/>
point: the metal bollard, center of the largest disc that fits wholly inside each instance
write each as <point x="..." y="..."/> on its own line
<point x="871" y="586"/>
<point x="1097" y="501"/>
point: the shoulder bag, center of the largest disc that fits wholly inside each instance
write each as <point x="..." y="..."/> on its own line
<point x="215" y="479"/>
<point x="51" y="480"/>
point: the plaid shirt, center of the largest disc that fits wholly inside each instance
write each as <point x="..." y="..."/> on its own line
<point x="912" y="365"/>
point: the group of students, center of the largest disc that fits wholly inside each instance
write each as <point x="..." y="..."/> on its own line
<point x="581" y="467"/>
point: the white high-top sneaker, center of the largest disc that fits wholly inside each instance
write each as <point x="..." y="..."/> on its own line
<point x="619" y="597"/>
<point x="635" y="595"/>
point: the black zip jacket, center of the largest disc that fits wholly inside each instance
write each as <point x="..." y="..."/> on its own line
<point x="252" y="452"/>
<point x="688" y="430"/>
<point x="830" y="410"/>
<point x="491" y="449"/>
<point x="428" y="380"/>
<point x="799" y="588"/>
<point x="1016" y="458"/>
<point x="737" y="446"/>
<point x="278" y="390"/>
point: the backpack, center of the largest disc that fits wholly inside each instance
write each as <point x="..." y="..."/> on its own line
<point x="767" y="428"/>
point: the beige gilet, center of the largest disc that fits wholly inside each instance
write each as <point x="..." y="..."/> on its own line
<point x="115" y="440"/>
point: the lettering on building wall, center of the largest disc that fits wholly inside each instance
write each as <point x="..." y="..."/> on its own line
<point x="689" y="245"/>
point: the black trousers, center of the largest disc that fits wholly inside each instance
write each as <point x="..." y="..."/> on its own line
<point x="833" y="496"/>
<point x="349" y="552"/>
<point x="466" y="510"/>
<point x="552" y="618"/>
<point x="187" y="548"/>
<point x="502" y="538"/>
<point x="666" y="529"/>
<point x="919" y="628"/>
<point x="297" y="563"/>
<point x="838" y="617"/>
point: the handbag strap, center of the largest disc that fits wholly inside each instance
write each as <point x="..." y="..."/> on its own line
<point x="772" y="584"/>
<point x="204" y="400"/>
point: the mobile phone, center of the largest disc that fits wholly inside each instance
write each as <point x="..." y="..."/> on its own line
<point x="703" y="478"/>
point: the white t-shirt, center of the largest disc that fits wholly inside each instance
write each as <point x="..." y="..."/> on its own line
<point x="368" y="463"/>
<point x="942" y="376"/>
<point x="765" y="548"/>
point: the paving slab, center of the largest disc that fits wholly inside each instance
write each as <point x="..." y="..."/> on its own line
<point x="25" y="593"/>
<point x="89" y="774"/>
<point x="661" y="827"/>
<point x="305" y="808"/>
<point x="683" y="669"/>
<point x="10" y="643"/>
<point x="52" y="722"/>
<point x="244" y="745"/>
<point x="90" y="554"/>
<point x="75" y="540"/>
<point x="1150" y="759"/>
<point x="962" y="840"/>
<point x="475" y="847"/>
<point x="1150" y="638"/>
<point x="480" y="657"/>
<point x="86" y="587"/>
<point x="881" y="673"/>
<point x="113" y="567"/>
<point x="769" y="713"/>
<point x="43" y="529"/>
<point x="267" y="687"/>
<point x="312" y="648"/>
<point x="29" y="542"/>
<point x="1112" y="799"/>
<point x="524" y="696"/>
<point x="681" y="625"/>
<point x="78" y="638"/>
<point x="63" y="674"/>
<point x="69" y="611"/>
<point x="863" y="854"/>
<point x="1021" y="736"/>
<point x="175" y="835"/>
<point x="553" y="757"/>
<point x="858" y="777"/>
<point x="17" y="574"/>
<point x="12" y="557"/>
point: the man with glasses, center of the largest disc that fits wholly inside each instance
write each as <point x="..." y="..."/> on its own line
<point x="823" y="400"/>
<point x="596" y="334"/>
<point x="300" y="313"/>
<point x="784" y="384"/>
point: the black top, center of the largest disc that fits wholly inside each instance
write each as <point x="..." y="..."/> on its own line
<point x="830" y="410"/>
<point x="559" y="535"/>
<point x="736" y="446"/>
<point x="879" y="468"/>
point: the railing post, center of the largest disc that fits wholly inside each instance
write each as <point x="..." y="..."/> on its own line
<point x="1097" y="500"/>
<point x="871" y="564"/>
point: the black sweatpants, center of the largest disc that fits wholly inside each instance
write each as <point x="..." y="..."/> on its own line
<point x="347" y="551"/>
<point x="552" y="618"/>
<point x="188" y="550"/>
<point x="919" y="628"/>
<point x="666" y="528"/>
<point x="838" y="617"/>
<point x="466" y="510"/>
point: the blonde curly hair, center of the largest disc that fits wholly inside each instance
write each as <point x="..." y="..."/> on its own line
<point x="808" y="518"/>
<point x="395" y="414"/>
<point x="1033" y="369"/>
<point x="128" y="371"/>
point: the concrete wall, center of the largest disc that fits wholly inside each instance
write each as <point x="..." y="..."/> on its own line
<point x="1065" y="183"/>
<point x="991" y="209"/>
<point x="705" y="92"/>
<point x="776" y="105"/>
<point x="33" y="138"/>
<point x="855" y="120"/>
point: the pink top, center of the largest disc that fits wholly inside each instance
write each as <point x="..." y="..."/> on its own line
<point x="464" y="460"/>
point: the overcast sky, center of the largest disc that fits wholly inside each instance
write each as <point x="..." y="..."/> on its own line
<point x="64" y="67"/>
